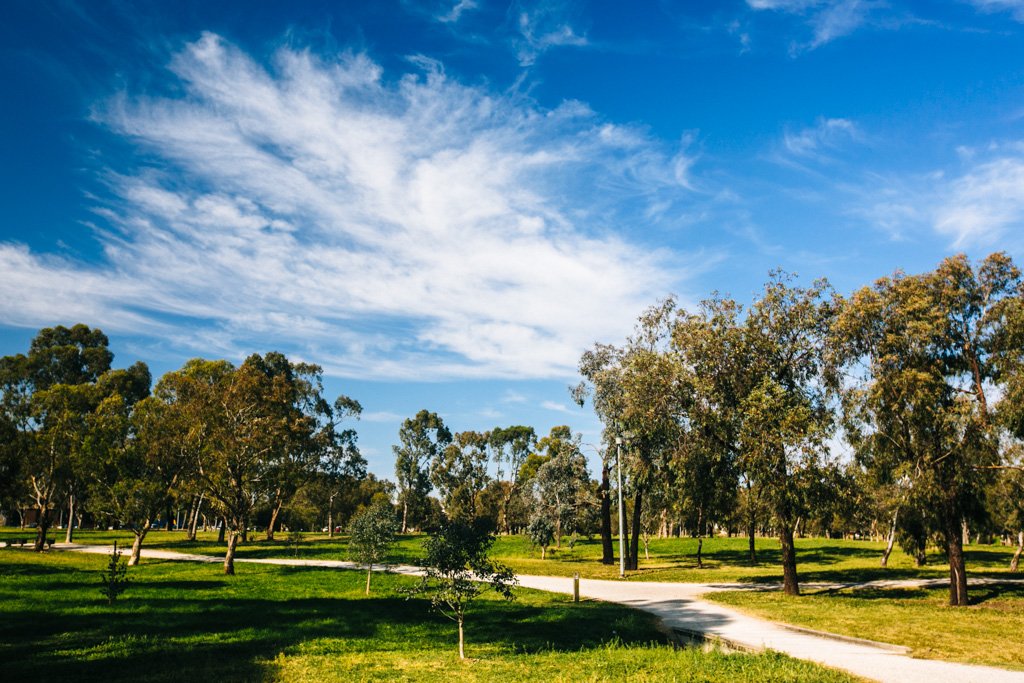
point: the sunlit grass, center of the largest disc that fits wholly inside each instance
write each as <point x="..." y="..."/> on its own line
<point x="186" y="621"/>
<point x="989" y="631"/>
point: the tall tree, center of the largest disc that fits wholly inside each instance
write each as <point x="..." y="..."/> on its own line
<point x="922" y="353"/>
<point x="786" y="416"/>
<point x="421" y="439"/>
<point x="459" y="473"/>
<point x="510" y="446"/>
<point x="562" y="491"/>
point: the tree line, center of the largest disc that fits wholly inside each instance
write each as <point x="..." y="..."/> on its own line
<point x="224" y="442"/>
<point x="732" y="415"/>
<point x="894" y="412"/>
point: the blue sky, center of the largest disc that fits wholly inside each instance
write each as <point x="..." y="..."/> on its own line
<point x="444" y="203"/>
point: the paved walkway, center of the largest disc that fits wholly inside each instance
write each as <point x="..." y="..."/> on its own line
<point x="679" y="607"/>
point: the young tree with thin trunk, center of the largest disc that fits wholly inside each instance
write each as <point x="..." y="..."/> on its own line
<point x="372" y="534"/>
<point x="457" y="569"/>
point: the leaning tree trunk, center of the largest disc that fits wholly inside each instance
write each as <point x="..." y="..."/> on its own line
<point x="790" y="582"/>
<point x="634" y="541"/>
<point x="607" y="548"/>
<point x="140" y="535"/>
<point x="70" y="535"/>
<point x="194" y="526"/>
<point x="273" y="518"/>
<point x="1015" y="562"/>
<point x="892" y="539"/>
<point x="957" y="566"/>
<point x="229" y="556"/>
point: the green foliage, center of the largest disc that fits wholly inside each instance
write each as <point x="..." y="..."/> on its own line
<point x="422" y="439"/>
<point x="371" y="535"/>
<point x="114" y="579"/>
<point x="541" y="533"/>
<point x="457" y="569"/>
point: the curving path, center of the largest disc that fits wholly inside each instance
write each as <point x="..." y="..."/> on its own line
<point x="680" y="607"/>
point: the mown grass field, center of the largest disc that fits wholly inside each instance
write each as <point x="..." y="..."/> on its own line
<point x="989" y="631"/>
<point x="184" y="621"/>
<point x="672" y="559"/>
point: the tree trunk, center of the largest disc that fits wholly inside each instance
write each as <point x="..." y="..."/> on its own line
<point x="405" y="514"/>
<point x="543" y="552"/>
<point x="462" y="641"/>
<point x="137" y="545"/>
<point x="957" y="568"/>
<point x="700" y="538"/>
<point x="634" y="541"/>
<point x="222" y="530"/>
<point x="330" y="522"/>
<point x="751" y="531"/>
<point x="607" y="548"/>
<point x="369" y="570"/>
<point x="892" y="539"/>
<point x="69" y="536"/>
<point x="167" y="518"/>
<point x="193" y="527"/>
<point x="44" y="526"/>
<point x="1015" y="562"/>
<point x="229" y="556"/>
<point x="273" y="519"/>
<point x="790" y="582"/>
<point x="966" y="532"/>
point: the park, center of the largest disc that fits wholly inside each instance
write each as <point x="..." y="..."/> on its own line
<point x="512" y="340"/>
<point x="244" y="508"/>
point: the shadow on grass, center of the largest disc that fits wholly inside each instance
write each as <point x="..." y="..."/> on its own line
<point x="178" y="629"/>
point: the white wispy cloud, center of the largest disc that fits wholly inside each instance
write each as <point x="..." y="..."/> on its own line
<point x="414" y="227"/>
<point x="557" y="407"/>
<point x="979" y="203"/>
<point x="818" y="142"/>
<point x="828" y="19"/>
<point x="979" y="207"/>
<point x="1014" y="7"/>
<point x="453" y="15"/>
<point x="542" y="26"/>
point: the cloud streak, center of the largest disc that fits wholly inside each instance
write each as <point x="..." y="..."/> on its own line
<point x="409" y="228"/>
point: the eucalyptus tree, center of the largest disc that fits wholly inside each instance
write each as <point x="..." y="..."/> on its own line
<point x="561" y="487"/>
<point x="923" y="351"/>
<point x="634" y="390"/>
<point x="47" y="395"/>
<point x="714" y="366"/>
<point x="459" y="473"/>
<point x="787" y="417"/>
<point x="421" y="439"/>
<point x="510" y="447"/>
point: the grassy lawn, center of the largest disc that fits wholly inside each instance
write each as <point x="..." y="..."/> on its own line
<point x="989" y="631"/>
<point x="672" y="559"/>
<point x="184" y="621"/>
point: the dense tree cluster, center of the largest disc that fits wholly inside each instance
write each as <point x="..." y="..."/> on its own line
<point x="731" y="417"/>
<point x="230" y="445"/>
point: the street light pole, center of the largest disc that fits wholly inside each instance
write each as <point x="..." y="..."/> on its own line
<point x="622" y="519"/>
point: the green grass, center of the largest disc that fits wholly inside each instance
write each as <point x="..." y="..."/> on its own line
<point x="671" y="559"/>
<point x="184" y="621"/>
<point x="989" y="631"/>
